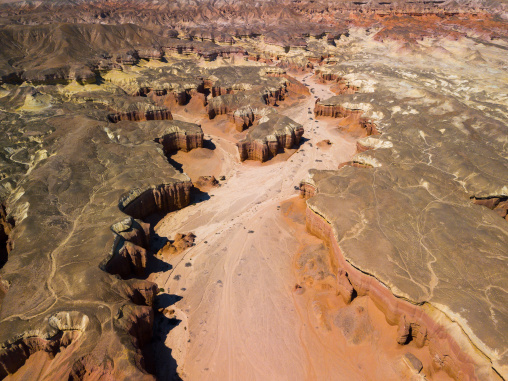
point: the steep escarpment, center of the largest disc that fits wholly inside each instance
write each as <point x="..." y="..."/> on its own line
<point x="96" y="163"/>
<point x="181" y="136"/>
<point x="61" y="331"/>
<point x="337" y="107"/>
<point x="497" y="204"/>
<point x="139" y="112"/>
<point x="416" y="324"/>
<point x="401" y="215"/>
<point x="273" y="133"/>
<point x="6" y="226"/>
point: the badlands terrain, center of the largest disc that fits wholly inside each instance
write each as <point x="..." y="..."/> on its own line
<point x="236" y="190"/>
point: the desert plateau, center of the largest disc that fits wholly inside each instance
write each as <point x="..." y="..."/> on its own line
<point x="254" y="190"/>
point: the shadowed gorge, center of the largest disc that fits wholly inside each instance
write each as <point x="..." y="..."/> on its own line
<point x="229" y="190"/>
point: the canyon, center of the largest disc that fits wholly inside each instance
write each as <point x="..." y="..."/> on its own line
<point x="216" y="190"/>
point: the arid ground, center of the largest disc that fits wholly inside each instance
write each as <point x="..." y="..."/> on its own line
<point x="303" y="190"/>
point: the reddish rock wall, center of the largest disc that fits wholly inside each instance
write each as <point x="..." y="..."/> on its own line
<point x="177" y="141"/>
<point x="414" y="324"/>
<point x="161" y="199"/>
<point x="243" y="119"/>
<point x="497" y="204"/>
<point x="341" y="85"/>
<point x="262" y="151"/>
<point x="137" y="116"/>
<point x="180" y="98"/>
<point x="336" y="111"/>
<point x="132" y="236"/>
<point x="307" y="191"/>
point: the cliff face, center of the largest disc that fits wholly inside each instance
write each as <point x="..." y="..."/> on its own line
<point x="107" y="311"/>
<point x="180" y="140"/>
<point x="136" y="116"/>
<point x="273" y="134"/>
<point x="243" y="118"/>
<point x="415" y="323"/>
<point x="497" y="204"/>
<point x="163" y="198"/>
<point x="245" y="91"/>
<point x="332" y="108"/>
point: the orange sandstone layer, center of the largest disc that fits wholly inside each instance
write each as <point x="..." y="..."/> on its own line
<point x="263" y="150"/>
<point x="354" y="116"/>
<point x="421" y="324"/>
<point x="179" y="98"/>
<point x="340" y="86"/>
<point x="179" y="140"/>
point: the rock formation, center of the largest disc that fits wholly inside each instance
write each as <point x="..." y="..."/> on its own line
<point x="180" y="243"/>
<point x="273" y="133"/>
<point x="336" y="107"/>
<point x="181" y="136"/>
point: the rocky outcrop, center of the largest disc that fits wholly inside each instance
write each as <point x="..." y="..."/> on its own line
<point x="130" y="249"/>
<point x="218" y="91"/>
<point x="175" y="96"/>
<point x="341" y="86"/>
<point x="307" y="190"/>
<point x="248" y="90"/>
<point x="243" y="118"/>
<point x="332" y="107"/>
<point x="179" y="244"/>
<point x="224" y="104"/>
<point x="498" y="204"/>
<point x="165" y="198"/>
<point x="178" y="138"/>
<point x="138" y="115"/>
<point x="206" y="182"/>
<point x="273" y="133"/>
<point x="58" y="333"/>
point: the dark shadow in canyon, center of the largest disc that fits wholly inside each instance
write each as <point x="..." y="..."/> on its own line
<point x="209" y="144"/>
<point x="302" y="141"/>
<point x="178" y="166"/>
<point x="162" y="362"/>
<point x="198" y="196"/>
<point x="6" y="226"/>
